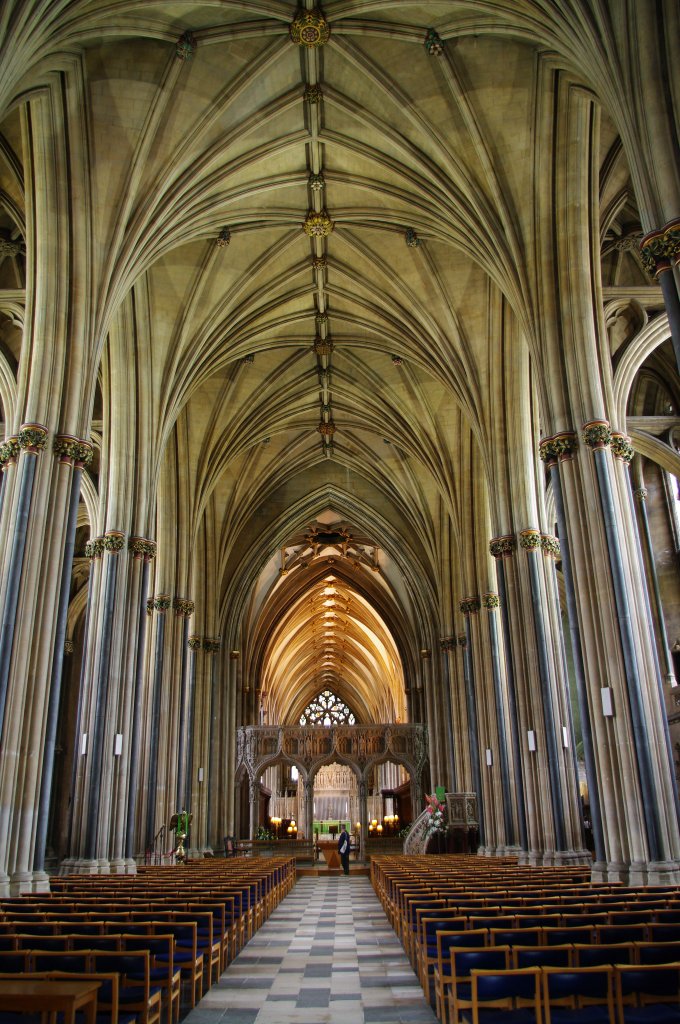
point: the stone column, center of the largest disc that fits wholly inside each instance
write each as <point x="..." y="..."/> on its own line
<point x="143" y="552"/>
<point x="448" y="645"/>
<point x="363" y="817"/>
<point x="641" y="496"/>
<point x="471" y="605"/>
<point x="503" y="548"/>
<point x="212" y="788"/>
<point x="73" y="455"/>
<point x="161" y="604"/>
<point x="492" y="602"/>
<point x="194" y="644"/>
<point x="184" y="608"/>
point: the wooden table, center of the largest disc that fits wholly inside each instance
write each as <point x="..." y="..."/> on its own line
<point x="40" y="995"/>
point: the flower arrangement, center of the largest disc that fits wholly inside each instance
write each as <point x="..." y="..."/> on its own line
<point x="437" y="816"/>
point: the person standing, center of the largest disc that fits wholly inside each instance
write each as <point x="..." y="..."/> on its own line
<point x="343" y="849"/>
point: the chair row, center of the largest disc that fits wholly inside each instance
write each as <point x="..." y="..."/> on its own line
<point x="588" y="995"/>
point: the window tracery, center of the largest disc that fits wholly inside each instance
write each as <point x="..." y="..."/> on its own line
<point x="327" y="709"/>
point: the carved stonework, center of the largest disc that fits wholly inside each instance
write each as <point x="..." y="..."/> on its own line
<point x="447" y="644"/>
<point x="491" y="601"/>
<point x="313" y="94"/>
<point x="316" y="182"/>
<point x="597" y="434"/>
<point x="318" y="225"/>
<point x="319" y="263"/>
<point x="310" y="29"/>
<point x="470" y="605"/>
<point x="503" y="547"/>
<point x="68" y="647"/>
<point x="183" y="607"/>
<point x="323" y="346"/>
<point x="550" y="545"/>
<point x="223" y="239"/>
<point x="397" y="360"/>
<point x="33" y="437"/>
<point x="326" y="429"/>
<point x="9" y="451"/>
<point x="411" y="238"/>
<point x="211" y="645"/>
<point x="641" y="493"/>
<point x="162" y="603"/>
<point x="113" y="541"/>
<point x="185" y="47"/>
<point x="462" y="810"/>
<point x="622" y="447"/>
<point x="560" y="447"/>
<point x="66" y="447"/>
<point x="433" y="43"/>
<point x="84" y="454"/>
<point x="659" y="249"/>
<point x="530" y="540"/>
<point x="194" y="643"/>
<point x="462" y="640"/>
<point x="149" y="606"/>
<point x="94" y="548"/>
<point x="140" y="547"/>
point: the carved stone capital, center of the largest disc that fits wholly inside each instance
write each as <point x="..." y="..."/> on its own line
<point x="462" y="640"/>
<point x="9" y="451"/>
<point x="194" y="643"/>
<point x="503" y="547"/>
<point x="162" y="603"/>
<point x="141" y="547"/>
<point x="597" y="434"/>
<point x="447" y="644"/>
<point x="183" y="607"/>
<point x="113" y="541"/>
<point x="550" y="545"/>
<point x="622" y="447"/>
<point x="530" y="539"/>
<point x="491" y="601"/>
<point x="66" y="448"/>
<point x="641" y="493"/>
<point x="33" y="437"/>
<point x="211" y="645"/>
<point x="560" y="447"/>
<point x="470" y="605"/>
<point x="661" y="248"/>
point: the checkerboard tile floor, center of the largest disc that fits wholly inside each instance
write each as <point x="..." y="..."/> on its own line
<point x="326" y="954"/>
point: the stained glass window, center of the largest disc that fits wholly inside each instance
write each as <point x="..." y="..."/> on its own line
<point x="327" y="709"/>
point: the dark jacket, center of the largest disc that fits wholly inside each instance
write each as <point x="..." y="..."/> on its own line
<point x="343" y="837"/>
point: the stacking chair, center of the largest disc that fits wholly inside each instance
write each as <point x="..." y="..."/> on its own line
<point x="162" y="971"/>
<point x="447" y="942"/>
<point x="463" y="962"/>
<point x="578" y="995"/>
<point x="591" y="955"/>
<point x="515" y="936"/>
<point x="648" y="994"/>
<point x="185" y="955"/>
<point x="410" y="922"/>
<point x="542" y="956"/>
<point x="517" y="993"/>
<point x="606" y="934"/>
<point x="426" y="952"/>
<point x="657" y="952"/>
<point x="136" y="993"/>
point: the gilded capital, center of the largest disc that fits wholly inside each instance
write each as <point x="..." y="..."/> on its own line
<point x="447" y="644"/>
<point x="183" y="606"/>
<point x="33" y="437"/>
<point x="194" y="643"/>
<point x="66" y="447"/>
<point x="560" y="447"/>
<point x="162" y="603"/>
<point x="597" y="434"/>
<point x="211" y="645"/>
<point x="113" y="541"/>
<point x="641" y="493"/>
<point x="9" y="451"/>
<point x="491" y="601"/>
<point x="622" y="447"/>
<point x="661" y="248"/>
<point x="470" y="605"/>
<point x="550" y="545"/>
<point x="462" y="640"/>
<point x="503" y="547"/>
<point x="141" y="547"/>
<point x="530" y="539"/>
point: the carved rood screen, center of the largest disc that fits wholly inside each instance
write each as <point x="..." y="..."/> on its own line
<point x="309" y="746"/>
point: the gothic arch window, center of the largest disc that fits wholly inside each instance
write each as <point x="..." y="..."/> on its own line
<point x="327" y="709"/>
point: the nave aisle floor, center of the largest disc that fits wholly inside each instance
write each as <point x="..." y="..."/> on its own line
<point x="326" y="954"/>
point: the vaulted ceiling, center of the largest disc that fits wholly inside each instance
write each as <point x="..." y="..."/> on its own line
<point x="305" y="253"/>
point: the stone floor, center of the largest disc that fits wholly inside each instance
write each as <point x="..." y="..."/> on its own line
<point x="326" y="954"/>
